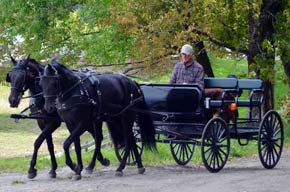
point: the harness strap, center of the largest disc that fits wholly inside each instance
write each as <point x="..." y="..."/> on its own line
<point x="72" y="87"/>
<point x="26" y="108"/>
<point x="98" y="97"/>
<point x="133" y="102"/>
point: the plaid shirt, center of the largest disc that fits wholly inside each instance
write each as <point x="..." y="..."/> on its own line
<point x="192" y="74"/>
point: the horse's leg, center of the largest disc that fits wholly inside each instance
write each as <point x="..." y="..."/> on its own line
<point x="74" y="137"/>
<point x="98" y="136"/>
<point x="130" y="120"/>
<point x="50" y="147"/>
<point x="124" y="127"/>
<point x="141" y="169"/>
<point x="45" y="134"/>
<point x="119" y="171"/>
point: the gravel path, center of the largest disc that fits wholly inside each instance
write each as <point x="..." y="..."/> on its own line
<point x="241" y="175"/>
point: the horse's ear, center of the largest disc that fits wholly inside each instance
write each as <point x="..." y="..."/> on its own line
<point x="27" y="60"/>
<point x="13" y="60"/>
<point x="52" y="69"/>
<point x="54" y="61"/>
<point x="8" y="77"/>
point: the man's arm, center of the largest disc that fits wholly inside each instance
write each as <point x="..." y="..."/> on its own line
<point x="200" y="77"/>
<point x="173" y="75"/>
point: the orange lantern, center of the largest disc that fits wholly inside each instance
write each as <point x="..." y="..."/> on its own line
<point x="233" y="107"/>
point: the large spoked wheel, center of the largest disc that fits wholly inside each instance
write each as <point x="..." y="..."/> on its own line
<point x="131" y="160"/>
<point x="182" y="152"/>
<point x="215" y="145"/>
<point x="270" y="139"/>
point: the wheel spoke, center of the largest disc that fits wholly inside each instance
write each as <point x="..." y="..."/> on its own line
<point x="210" y="155"/>
<point x="212" y="158"/>
<point x="276" y="144"/>
<point x="186" y="151"/>
<point x="222" y="151"/>
<point x="181" y="154"/>
<point x="219" y="157"/>
<point x="274" y="155"/>
<point x="207" y="150"/>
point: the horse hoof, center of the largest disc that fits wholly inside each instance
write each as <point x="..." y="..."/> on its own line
<point x="88" y="170"/>
<point x="141" y="170"/>
<point x="106" y="162"/>
<point x="119" y="174"/>
<point x="76" y="177"/>
<point x="77" y="169"/>
<point x="52" y="174"/>
<point x="32" y="174"/>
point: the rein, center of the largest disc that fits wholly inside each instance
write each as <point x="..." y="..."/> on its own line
<point x="33" y="96"/>
<point x="133" y="102"/>
<point x="73" y="86"/>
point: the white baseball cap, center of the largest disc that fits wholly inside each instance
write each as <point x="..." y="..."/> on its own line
<point x="187" y="49"/>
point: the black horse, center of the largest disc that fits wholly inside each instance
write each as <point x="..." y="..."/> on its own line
<point x="25" y="75"/>
<point x="84" y="98"/>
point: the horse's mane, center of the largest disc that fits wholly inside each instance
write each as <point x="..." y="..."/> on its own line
<point x="36" y="65"/>
<point x="62" y="69"/>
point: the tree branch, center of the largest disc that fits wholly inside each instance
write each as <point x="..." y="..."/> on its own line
<point x="220" y="43"/>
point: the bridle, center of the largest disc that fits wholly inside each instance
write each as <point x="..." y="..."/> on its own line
<point x="57" y="88"/>
<point x="23" y="86"/>
<point x="58" y="91"/>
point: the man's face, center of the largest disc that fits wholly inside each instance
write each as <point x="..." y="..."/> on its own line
<point x="186" y="58"/>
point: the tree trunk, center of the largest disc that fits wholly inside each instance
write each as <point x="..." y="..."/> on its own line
<point x="202" y="58"/>
<point x="262" y="30"/>
<point x="268" y="96"/>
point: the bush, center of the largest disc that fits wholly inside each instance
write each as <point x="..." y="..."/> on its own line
<point x="285" y="108"/>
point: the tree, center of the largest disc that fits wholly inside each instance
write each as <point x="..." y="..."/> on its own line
<point x="244" y="28"/>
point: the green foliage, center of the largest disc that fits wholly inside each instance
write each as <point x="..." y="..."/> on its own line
<point x="72" y="28"/>
<point x="114" y="32"/>
<point x="285" y="108"/>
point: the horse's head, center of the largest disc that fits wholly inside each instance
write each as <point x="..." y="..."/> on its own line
<point x="50" y="83"/>
<point x="18" y="79"/>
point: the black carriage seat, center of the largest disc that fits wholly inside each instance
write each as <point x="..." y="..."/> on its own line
<point x="172" y="99"/>
<point x="229" y="85"/>
<point x="256" y="93"/>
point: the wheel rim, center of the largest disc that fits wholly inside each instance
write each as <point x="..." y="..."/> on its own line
<point x="182" y="152"/>
<point x="215" y="145"/>
<point x="270" y="139"/>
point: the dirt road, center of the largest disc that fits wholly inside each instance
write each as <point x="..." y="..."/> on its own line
<point x="242" y="175"/>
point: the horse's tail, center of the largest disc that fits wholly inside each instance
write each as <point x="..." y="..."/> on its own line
<point x="116" y="132"/>
<point x="146" y="126"/>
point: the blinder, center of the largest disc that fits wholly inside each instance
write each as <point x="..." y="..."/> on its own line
<point x="56" y="89"/>
<point x="21" y="88"/>
<point x="8" y="77"/>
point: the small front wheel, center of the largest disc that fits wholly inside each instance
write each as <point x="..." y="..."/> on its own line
<point x="131" y="160"/>
<point x="182" y="152"/>
<point x="215" y="144"/>
<point x="270" y="139"/>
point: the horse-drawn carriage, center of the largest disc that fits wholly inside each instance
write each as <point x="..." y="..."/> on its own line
<point x="182" y="115"/>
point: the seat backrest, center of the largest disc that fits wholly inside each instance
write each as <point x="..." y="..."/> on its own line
<point x="172" y="98"/>
<point x="224" y="83"/>
<point x="250" y="84"/>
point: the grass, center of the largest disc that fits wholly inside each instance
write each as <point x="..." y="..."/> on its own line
<point x="16" y="139"/>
